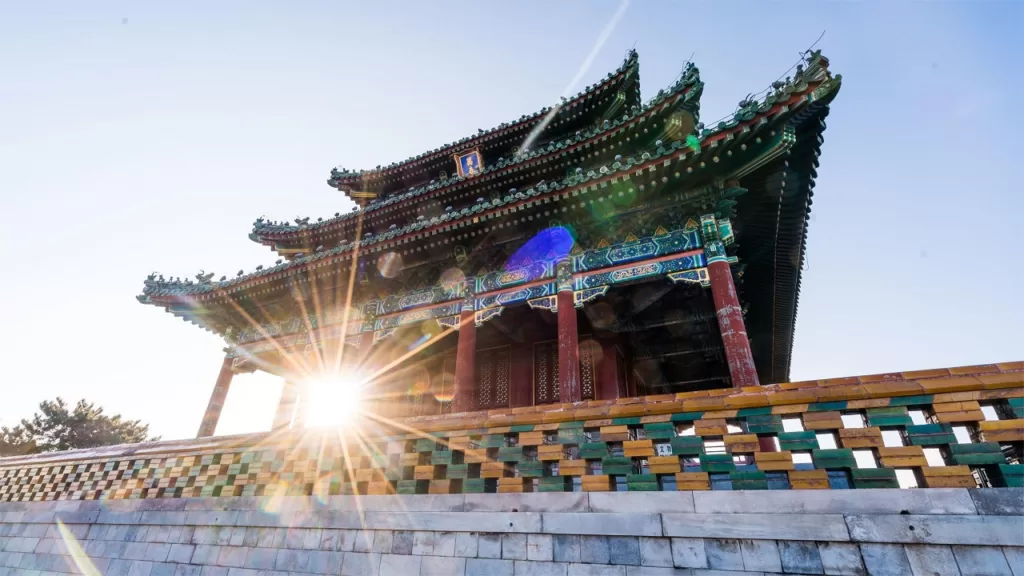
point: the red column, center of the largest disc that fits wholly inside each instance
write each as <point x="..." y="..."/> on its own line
<point x="220" y="393"/>
<point x="568" y="338"/>
<point x="730" y="323"/>
<point x="465" y="363"/>
<point x="608" y="371"/>
<point x="286" y="407"/>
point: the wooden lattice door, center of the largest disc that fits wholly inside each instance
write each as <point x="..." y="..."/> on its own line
<point x="545" y="373"/>
<point x="493" y="368"/>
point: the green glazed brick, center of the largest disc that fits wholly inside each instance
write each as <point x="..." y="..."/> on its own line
<point x="557" y="484"/>
<point x="493" y="441"/>
<point x="593" y="451"/>
<point x="765" y="428"/>
<point x="510" y="454"/>
<point x="457" y="471"/>
<point x="916" y="429"/>
<point x="641" y="478"/>
<point x="747" y="475"/>
<point x="570" y="425"/>
<point x="1013" y="475"/>
<point x="874" y="478"/>
<point x="473" y="486"/>
<point x="930" y="434"/>
<point x="406" y="486"/>
<point x="441" y="457"/>
<point x="806" y="440"/>
<point x="660" y="430"/>
<point x="643" y="487"/>
<point x="976" y="448"/>
<point x="424" y="445"/>
<point x="911" y="400"/>
<point x="749" y="484"/>
<point x="827" y="406"/>
<point x="979" y="459"/>
<point x="393" y="474"/>
<point x="617" y="466"/>
<point x="891" y="416"/>
<point x="527" y="471"/>
<point x="717" y="463"/>
<point x="687" y="416"/>
<point x="747" y="412"/>
<point x="687" y="445"/>
<point x="626" y="421"/>
<point x="521" y="428"/>
<point x="834" y="459"/>
<point x="571" y="436"/>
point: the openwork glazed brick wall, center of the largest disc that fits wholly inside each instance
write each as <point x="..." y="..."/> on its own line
<point x="958" y="427"/>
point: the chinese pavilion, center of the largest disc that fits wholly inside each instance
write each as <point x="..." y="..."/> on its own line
<point x="602" y="248"/>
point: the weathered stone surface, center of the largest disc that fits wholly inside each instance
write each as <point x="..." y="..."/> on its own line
<point x="800" y="557"/>
<point x="383" y="541"/>
<point x="981" y="561"/>
<point x="399" y="565"/>
<point x="624" y="550"/>
<point x="489" y="546"/>
<point x="532" y="502"/>
<point x="1015" y="558"/>
<point x="603" y="524"/>
<point x="596" y="570"/>
<point x="456" y="521"/>
<point x="689" y="553"/>
<point x="513" y="546"/>
<point x="760" y="555"/>
<point x="931" y="560"/>
<point x="882" y="501"/>
<point x="292" y="560"/>
<point x="528" y="568"/>
<point x="841" y="559"/>
<point x="442" y="566"/>
<point x="260" y="558"/>
<point x="656" y="552"/>
<point x="488" y="567"/>
<point x="362" y="540"/>
<point x="973" y="530"/>
<point x="401" y="542"/>
<point x="566" y="548"/>
<point x="885" y="559"/>
<point x="539" y="547"/>
<point x="466" y="544"/>
<point x="232" y="556"/>
<point x="360" y="564"/>
<point x="594" y="549"/>
<point x="641" y="502"/>
<point x="325" y="562"/>
<point x="444" y="544"/>
<point x="821" y="527"/>
<point x="1002" y="501"/>
<point x="723" y="554"/>
<point x="422" y="543"/>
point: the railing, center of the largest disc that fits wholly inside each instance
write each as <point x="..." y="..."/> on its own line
<point x="958" y="427"/>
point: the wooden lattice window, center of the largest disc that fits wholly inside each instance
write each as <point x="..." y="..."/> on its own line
<point x="444" y="387"/>
<point x="545" y="373"/>
<point x="589" y="352"/>
<point x="492" y="378"/>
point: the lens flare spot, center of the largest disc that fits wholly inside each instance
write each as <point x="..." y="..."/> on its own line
<point x="335" y="400"/>
<point x="451" y="278"/>
<point x="419" y="342"/>
<point x="552" y="243"/>
<point x="693" y="143"/>
<point x="446" y="392"/>
<point x="389" y="264"/>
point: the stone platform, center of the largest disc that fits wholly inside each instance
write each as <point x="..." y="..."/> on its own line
<point x="883" y="531"/>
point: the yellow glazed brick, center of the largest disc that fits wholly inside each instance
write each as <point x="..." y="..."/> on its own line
<point x="531" y="438"/>
<point x="597" y="423"/>
<point x="956" y="397"/>
<point x="572" y="467"/>
<point x="459" y="443"/>
<point x="1016" y="435"/>
<point x="439" y="487"/>
<point x="715" y="427"/>
<point x="475" y="456"/>
<point x="638" y="449"/>
<point x="596" y="483"/>
<point x="510" y="485"/>
<point x="955" y="407"/>
<point x="692" y="481"/>
<point x="770" y="461"/>
<point x="717" y="414"/>
<point x="808" y="479"/>
<point x="867" y="403"/>
<point x="1015" y="424"/>
<point x="902" y="457"/>
<point x="955" y="384"/>
<point x="741" y="443"/>
<point x="657" y="418"/>
<point x="664" y="464"/>
<point x="552" y="452"/>
<point x="410" y="459"/>
<point x="380" y="488"/>
<point x="791" y="409"/>
<point x="493" y="470"/>
<point x="822" y="421"/>
<point x="1009" y="380"/>
<point x="953" y="417"/>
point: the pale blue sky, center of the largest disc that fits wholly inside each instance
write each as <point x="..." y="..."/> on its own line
<point x="137" y="138"/>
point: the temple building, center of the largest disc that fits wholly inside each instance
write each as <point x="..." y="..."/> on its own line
<point x="603" y="248"/>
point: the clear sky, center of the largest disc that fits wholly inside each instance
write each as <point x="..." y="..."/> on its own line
<point x="148" y="136"/>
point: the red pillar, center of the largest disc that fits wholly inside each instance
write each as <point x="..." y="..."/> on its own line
<point x="216" y="404"/>
<point x="730" y="323"/>
<point x="568" y="338"/>
<point x="465" y="363"/>
<point x="286" y="406"/>
<point x="608" y="371"/>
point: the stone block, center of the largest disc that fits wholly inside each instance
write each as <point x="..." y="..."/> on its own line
<point x="383" y="541"/>
<point x="444" y="544"/>
<point x="820" y="527"/>
<point x="882" y="501"/>
<point x="723" y="554"/>
<point x="466" y="544"/>
<point x="456" y="521"/>
<point x="241" y="572"/>
<point x="186" y="570"/>
<point x="760" y="555"/>
<point x="1001" y="501"/>
<point x="594" y="550"/>
<point x="292" y="560"/>
<point x="162" y="569"/>
<point x="528" y="568"/>
<point x="361" y="564"/>
<point x="321" y="562"/>
<point x="157" y="552"/>
<point x="399" y="565"/>
<point x="362" y="540"/>
<point x="641" y="503"/>
<point x="1015" y="558"/>
<point x="688" y="553"/>
<point x="204" y="518"/>
<point x="205" y="554"/>
<point x="422" y="543"/>
<point x="566" y="548"/>
<point x="931" y="560"/>
<point x="513" y="546"/>
<point x="540" y="547"/>
<point x="528" y="502"/>
<point x="442" y="566"/>
<point x="964" y="530"/>
<point x="655" y="552"/>
<point x="596" y="570"/>
<point x="982" y="561"/>
<point x="489" y="546"/>
<point x="261" y="558"/>
<point x="885" y="559"/>
<point x="488" y="567"/>
<point x="624" y="550"/>
<point x="841" y="558"/>
<point x="800" y="557"/>
<point x="603" y="524"/>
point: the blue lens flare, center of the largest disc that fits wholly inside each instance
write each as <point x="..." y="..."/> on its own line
<point x="549" y="244"/>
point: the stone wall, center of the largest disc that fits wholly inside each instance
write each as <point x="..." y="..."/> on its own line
<point x="884" y="531"/>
